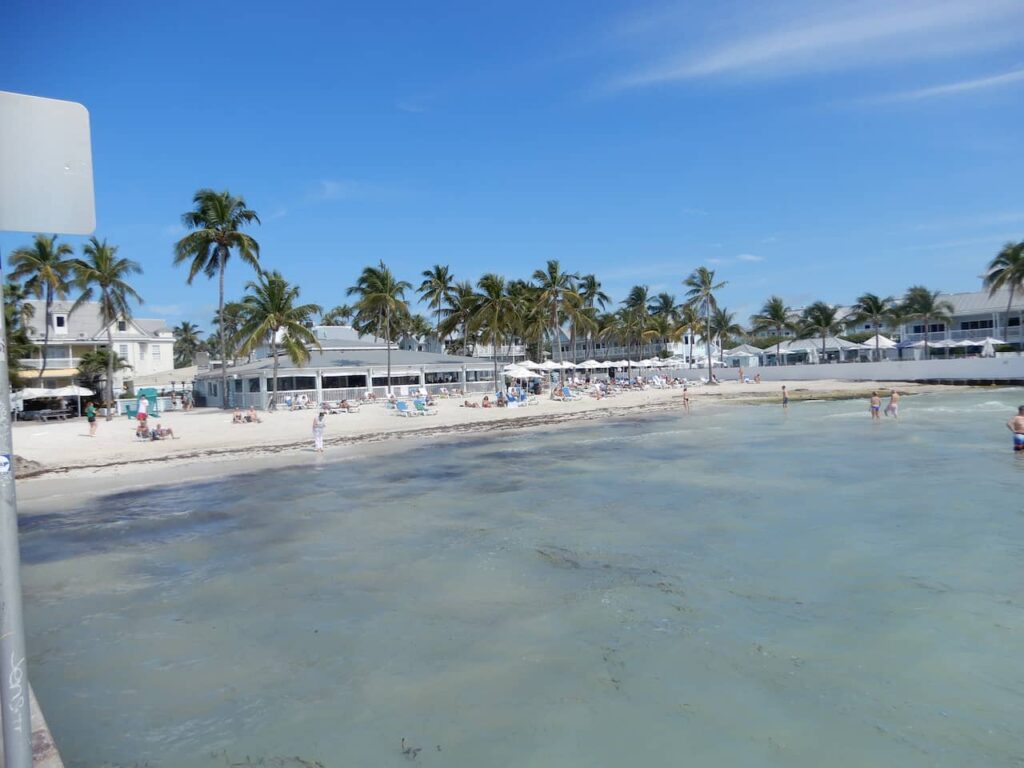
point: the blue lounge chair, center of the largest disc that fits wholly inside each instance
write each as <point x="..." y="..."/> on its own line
<point x="402" y="409"/>
<point x="422" y="409"/>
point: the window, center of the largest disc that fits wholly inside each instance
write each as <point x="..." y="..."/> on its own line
<point x="122" y="325"/>
<point x="487" y="375"/>
<point x="156" y="351"/>
<point x="238" y="385"/>
<point x="60" y="321"/>
<point x="933" y="328"/>
<point x="343" y="382"/>
<point x="382" y="381"/>
<point x="975" y="325"/>
<point x="444" y="377"/>
<point x="122" y="351"/>
<point x="1014" y="321"/>
<point x="254" y="385"/>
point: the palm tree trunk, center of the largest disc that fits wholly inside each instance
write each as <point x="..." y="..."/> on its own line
<point x="273" y="351"/>
<point x="1008" y="305"/>
<point x="387" y="341"/>
<point x="223" y="337"/>
<point x="708" y="304"/>
<point x="878" y="351"/>
<point x="927" y="353"/>
<point x="823" y="337"/>
<point x="46" y="333"/>
<point x="110" y="373"/>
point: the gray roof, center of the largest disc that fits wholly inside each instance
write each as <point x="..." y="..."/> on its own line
<point x="84" y="322"/>
<point x="357" y="359"/>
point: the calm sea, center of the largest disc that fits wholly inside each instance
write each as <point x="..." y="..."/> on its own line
<point x="738" y="587"/>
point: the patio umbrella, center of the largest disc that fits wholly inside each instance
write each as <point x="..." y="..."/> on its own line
<point x="518" y="372"/>
<point x="567" y="365"/>
<point x="549" y="365"/>
<point x="73" y="391"/>
<point x="529" y="364"/>
<point x="589" y="365"/>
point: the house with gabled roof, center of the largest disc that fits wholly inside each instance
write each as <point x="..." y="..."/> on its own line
<point x="146" y="344"/>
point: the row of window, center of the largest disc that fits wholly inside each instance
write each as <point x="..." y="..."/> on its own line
<point x="356" y="381"/>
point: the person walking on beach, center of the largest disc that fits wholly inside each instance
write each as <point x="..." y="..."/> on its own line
<point x="90" y="416"/>
<point x="319" y="425"/>
<point x="785" y="397"/>
<point x="876" y="407"/>
<point x="1016" y="425"/>
<point x="686" y="399"/>
<point x="893" y="408"/>
<point x="740" y="377"/>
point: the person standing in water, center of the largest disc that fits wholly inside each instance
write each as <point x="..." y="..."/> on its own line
<point x="319" y="425"/>
<point x="785" y="397"/>
<point x="90" y="416"/>
<point x="876" y="407"/>
<point x="686" y="399"/>
<point x="893" y="408"/>
<point x="1016" y="425"/>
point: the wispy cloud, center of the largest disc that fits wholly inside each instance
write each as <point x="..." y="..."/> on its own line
<point x="173" y="230"/>
<point x="962" y="243"/>
<point x="172" y="310"/>
<point x="412" y="107"/>
<point x="749" y="257"/>
<point x="954" y="89"/>
<point x="973" y="220"/>
<point x="815" y="37"/>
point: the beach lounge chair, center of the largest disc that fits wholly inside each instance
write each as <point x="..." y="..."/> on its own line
<point x="568" y="395"/>
<point x="423" y="410"/>
<point x="402" y="409"/>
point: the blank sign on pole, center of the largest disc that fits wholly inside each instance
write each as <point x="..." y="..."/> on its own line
<point x="45" y="166"/>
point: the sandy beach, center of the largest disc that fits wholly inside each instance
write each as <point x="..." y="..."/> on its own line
<point x="207" y="440"/>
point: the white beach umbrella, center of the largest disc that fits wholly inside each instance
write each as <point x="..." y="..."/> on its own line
<point x="518" y="372"/>
<point x="529" y="364"/>
<point x="589" y="365"/>
<point x="621" y="363"/>
<point x="73" y="391"/>
<point x="567" y="365"/>
<point x="549" y="365"/>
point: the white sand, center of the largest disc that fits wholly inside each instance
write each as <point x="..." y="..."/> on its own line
<point x="207" y="436"/>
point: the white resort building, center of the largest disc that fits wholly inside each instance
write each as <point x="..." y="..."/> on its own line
<point x="146" y="344"/>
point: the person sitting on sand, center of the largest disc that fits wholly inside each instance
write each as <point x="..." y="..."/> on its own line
<point x="162" y="433"/>
<point x="501" y="401"/>
<point x="467" y="404"/>
<point x="486" y="402"/>
<point x="391" y="398"/>
<point x="236" y="418"/>
<point x="142" y="431"/>
<point x="251" y="416"/>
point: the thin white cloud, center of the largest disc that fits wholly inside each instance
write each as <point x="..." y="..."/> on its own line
<point x="838" y="36"/>
<point x="174" y="310"/>
<point x="749" y="257"/>
<point x="412" y="107"/>
<point x="174" y="230"/>
<point x="959" y="87"/>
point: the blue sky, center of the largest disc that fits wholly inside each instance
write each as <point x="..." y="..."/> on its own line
<point x="815" y="150"/>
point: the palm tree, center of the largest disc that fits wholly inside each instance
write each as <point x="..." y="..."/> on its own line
<point x="43" y="268"/>
<point x="553" y="285"/>
<point x="186" y="343"/>
<point x="230" y="319"/>
<point x="437" y="289"/>
<point x="272" y="315"/>
<point x="381" y="302"/>
<point x="17" y="312"/>
<point x="686" y="326"/>
<point x="1006" y="270"/>
<point x="458" y="313"/>
<point x="820" y="319"/>
<point x="774" y="316"/>
<point x="103" y="272"/>
<point x="874" y="310"/>
<point x="926" y="305"/>
<point x="589" y="289"/>
<point x="701" y="287"/>
<point x="339" y="315"/>
<point x="494" y="314"/>
<point x="96" y="364"/>
<point x="724" y="326"/>
<point x="216" y="221"/>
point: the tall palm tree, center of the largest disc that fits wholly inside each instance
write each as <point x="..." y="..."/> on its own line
<point x="875" y="310"/>
<point x="458" y="313"/>
<point x="437" y="289"/>
<point x="926" y="306"/>
<point x="273" y="315"/>
<point x="820" y="319"/>
<point x="701" y="287"/>
<point x="776" y="316"/>
<point x="493" y="315"/>
<point x="589" y="289"/>
<point x="724" y="326"/>
<point x="230" y="319"/>
<point x="1006" y="270"/>
<point x="381" y="302"/>
<point x="553" y="285"/>
<point x="339" y="315"/>
<point x="44" y="268"/>
<point x="216" y="221"/>
<point x="186" y="343"/>
<point x="103" y="272"/>
<point x="686" y="326"/>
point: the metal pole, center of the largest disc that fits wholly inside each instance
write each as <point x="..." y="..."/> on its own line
<point x="17" y="722"/>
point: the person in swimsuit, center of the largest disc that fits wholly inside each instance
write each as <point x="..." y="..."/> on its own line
<point x="876" y="407"/>
<point x="785" y="397"/>
<point x="319" y="425"/>
<point x="893" y="408"/>
<point x="686" y="399"/>
<point x="1016" y="425"/>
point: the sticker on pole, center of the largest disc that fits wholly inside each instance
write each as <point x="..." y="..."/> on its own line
<point x="5" y="463"/>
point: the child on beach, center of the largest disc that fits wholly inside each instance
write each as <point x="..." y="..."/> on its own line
<point x="90" y="416"/>
<point x="319" y="425"/>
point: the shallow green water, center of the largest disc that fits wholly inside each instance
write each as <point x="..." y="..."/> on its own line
<point x="741" y="587"/>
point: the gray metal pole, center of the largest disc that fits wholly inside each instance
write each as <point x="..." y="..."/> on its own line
<point x="17" y="721"/>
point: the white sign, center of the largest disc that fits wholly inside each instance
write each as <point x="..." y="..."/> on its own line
<point x="5" y="463"/>
<point x="45" y="166"/>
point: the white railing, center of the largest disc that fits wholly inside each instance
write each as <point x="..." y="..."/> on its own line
<point x="36" y="363"/>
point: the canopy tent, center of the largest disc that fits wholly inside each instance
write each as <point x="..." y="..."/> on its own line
<point x="882" y="342"/>
<point x="744" y="350"/>
<point x="981" y="343"/>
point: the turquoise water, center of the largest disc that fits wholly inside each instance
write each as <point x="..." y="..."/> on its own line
<point x="740" y="587"/>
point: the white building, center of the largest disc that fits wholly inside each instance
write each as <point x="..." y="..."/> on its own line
<point x="146" y="344"/>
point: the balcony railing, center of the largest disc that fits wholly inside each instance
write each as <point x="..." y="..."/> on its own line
<point x="36" y="363"/>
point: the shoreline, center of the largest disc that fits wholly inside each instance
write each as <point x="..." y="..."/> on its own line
<point x="376" y="430"/>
